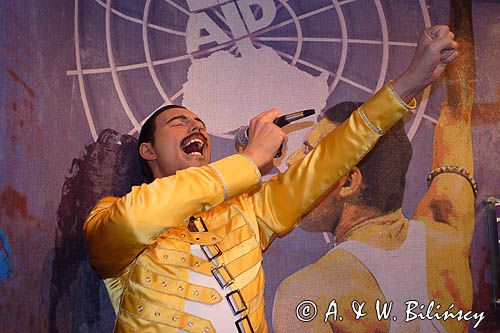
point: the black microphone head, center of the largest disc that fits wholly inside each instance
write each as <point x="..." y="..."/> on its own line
<point x="309" y="112"/>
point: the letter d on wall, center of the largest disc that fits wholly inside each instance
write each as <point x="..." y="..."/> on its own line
<point x="268" y="13"/>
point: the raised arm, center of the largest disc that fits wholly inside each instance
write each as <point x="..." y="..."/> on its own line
<point x="450" y="198"/>
<point x="117" y="229"/>
<point x="281" y="202"/>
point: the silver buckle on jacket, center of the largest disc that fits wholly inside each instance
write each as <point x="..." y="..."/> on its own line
<point x="196" y="224"/>
<point x="208" y="253"/>
<point x="244" y="325"/>
<point x="234" y="301"/>
<point x="223" y="276"/>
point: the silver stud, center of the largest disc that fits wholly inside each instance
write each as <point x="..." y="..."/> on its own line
<point x="174" y="318"/>
<point x="196" y="293"/>
<point x="183" y="259"/>
<point x="140" y="308"/>
<point x="214" y="297"/>
<point x="183" y="235"/>
<point x="148" y="279"/>
<point x="181" y="288"/>
<point x="190" y="323"/>
<point x="197" y="264"/>
<point x="165" y="256"/>
<point x="157" y="314"/>
<point x="207" y="329"/>
<point x="164" y="283"/>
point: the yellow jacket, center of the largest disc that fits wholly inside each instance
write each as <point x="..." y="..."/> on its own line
<point x="140" y="243"/>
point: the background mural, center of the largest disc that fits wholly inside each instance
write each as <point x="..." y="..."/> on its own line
<point x="80" y="77"/>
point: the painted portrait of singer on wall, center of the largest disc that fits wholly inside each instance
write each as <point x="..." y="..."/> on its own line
<point x="388" y="272"/>
<point x="380" y="254"/>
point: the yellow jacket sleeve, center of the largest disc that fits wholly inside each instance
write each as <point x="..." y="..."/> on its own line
<point x="281" y="202"/>
<point x="117" y="229"/>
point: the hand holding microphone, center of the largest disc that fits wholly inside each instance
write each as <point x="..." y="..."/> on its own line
<point x="264" y="138"/>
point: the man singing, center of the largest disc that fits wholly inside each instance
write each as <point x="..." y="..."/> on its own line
<point x="184" y="252"/>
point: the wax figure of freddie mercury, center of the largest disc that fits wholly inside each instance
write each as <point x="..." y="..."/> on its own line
<point x="184" y="252"/>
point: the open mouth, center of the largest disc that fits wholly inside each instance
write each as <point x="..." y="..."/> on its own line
<point x="194" y="144"/>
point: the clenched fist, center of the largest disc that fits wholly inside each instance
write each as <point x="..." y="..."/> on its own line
<point x="264" y="140"/>
<point x="435" y="49"/>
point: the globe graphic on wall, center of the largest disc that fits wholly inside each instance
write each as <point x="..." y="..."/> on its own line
<point x="230" y="60"/>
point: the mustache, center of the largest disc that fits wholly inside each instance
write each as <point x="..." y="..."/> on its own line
<point x="196" y="135"/>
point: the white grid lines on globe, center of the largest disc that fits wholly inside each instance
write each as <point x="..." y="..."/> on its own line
<point x="113" y="69"/>
<point x="343" y="52"/>
<point x="299" y="38"/>
<point x="173" y="99"/>
<point x="231" y="43"/>
<point x="81" y="83"/>
<point x="114" y="74"/>
<point x="344" y="40"/>
<point x="323" y="70"/>
<point x="233" y="49"/>
<point x="198" y="53"/>
<point x="298" y="29"/>
<point x="334" y="40"/>
<point x="104" y="70"/>
<point x="420" y="113"/>
<point x="385" y="45"/>
<point x="139" y="21"/>
<point x="147" y="54"/>
<point x="178" y="7"/>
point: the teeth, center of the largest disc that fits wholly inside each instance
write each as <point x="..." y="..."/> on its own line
<point x="195" y="153"/>
<point x="193" y="141"/>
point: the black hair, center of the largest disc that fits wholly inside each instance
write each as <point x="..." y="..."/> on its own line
<point x="384" y="167"/>
<point x="148" y="135"/>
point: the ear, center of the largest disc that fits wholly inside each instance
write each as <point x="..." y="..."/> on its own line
<point x="147" y="151"/>
<point x="351" y="183"/>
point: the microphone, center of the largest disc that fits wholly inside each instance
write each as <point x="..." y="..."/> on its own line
<point x="288" y="118"/>
<point x="241" y="136"/>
